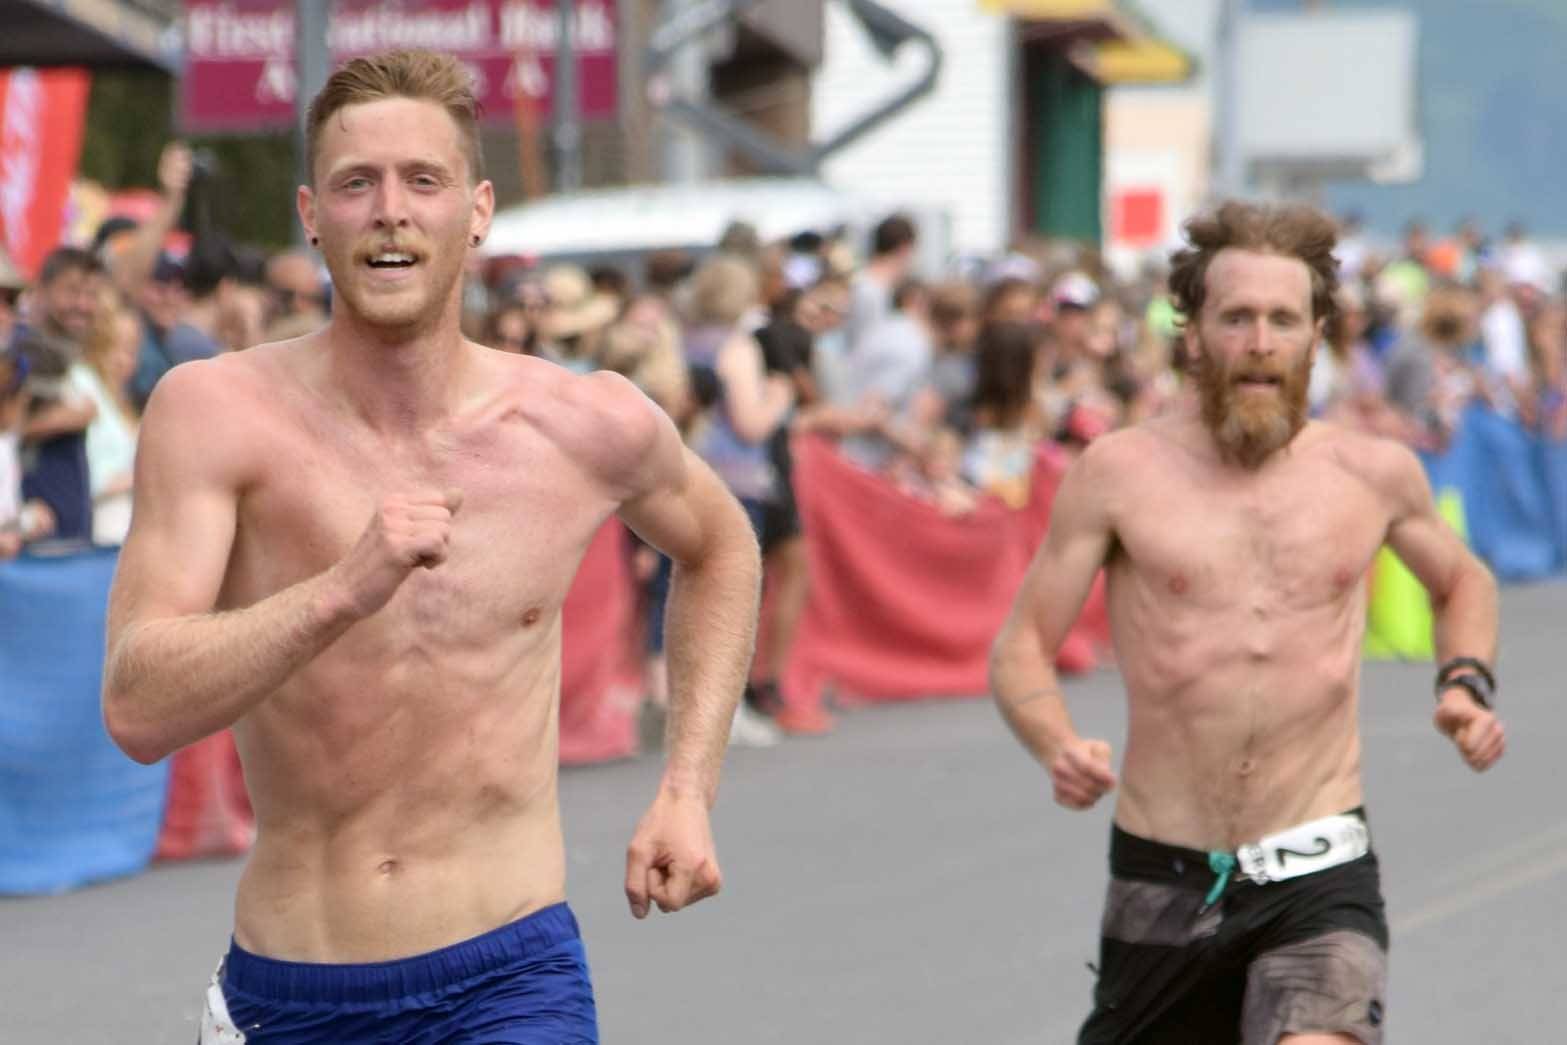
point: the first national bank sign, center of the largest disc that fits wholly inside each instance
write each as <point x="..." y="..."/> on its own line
<point x="239" y="54"/>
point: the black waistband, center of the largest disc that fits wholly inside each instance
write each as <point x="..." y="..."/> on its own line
<point x="1132" y="856"/>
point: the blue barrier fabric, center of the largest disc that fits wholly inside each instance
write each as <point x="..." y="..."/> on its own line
<point x="1514" y="489"/>
<point x="73" y="808"/>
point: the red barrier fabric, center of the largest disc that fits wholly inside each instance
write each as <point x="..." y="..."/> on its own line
<point x="904" y="601"/>
<point x="208" y="811"/>
<point x="600" y="678"/>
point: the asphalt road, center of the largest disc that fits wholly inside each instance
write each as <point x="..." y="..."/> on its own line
<point x="907" y="880"/>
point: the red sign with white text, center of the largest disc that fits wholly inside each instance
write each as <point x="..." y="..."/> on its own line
<point x="42" y="115"/>
<point x="239" y="54"/>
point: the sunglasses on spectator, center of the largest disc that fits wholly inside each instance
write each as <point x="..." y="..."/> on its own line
<point x="292" y="296"/>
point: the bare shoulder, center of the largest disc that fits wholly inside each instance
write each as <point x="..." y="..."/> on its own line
<point x="1119" y="461"/>
<point x="215" y="410"/>
<point x="1386" y="466"/>
<point x="209" y="391"/>
<point x="600" y="420"/>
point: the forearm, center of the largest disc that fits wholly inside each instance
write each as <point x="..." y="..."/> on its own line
<point x="1466" y="617"/>
<point x="1026" y="690"/>
<point x="711" y="629"/>
<point x="60" y="419"/>
<point x="132" y="269"/>
<point x="170" y="682"/>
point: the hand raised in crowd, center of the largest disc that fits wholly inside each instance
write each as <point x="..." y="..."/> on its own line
<point x="1081" y="773"/>
<point x="1475" y="731"/>
<point x="176" y="165"/>
<point x="406" y="532"/>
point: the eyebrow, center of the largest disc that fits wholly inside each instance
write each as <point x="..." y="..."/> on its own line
<point x="405" y="168"/>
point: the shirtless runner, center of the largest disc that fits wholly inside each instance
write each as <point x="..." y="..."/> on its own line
<point x="1244" y="902"/>
<point x="353" y="549"/>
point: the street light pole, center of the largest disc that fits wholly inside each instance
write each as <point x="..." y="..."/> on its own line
<point x="311" y="65"/>
<point x="568" y="123"/>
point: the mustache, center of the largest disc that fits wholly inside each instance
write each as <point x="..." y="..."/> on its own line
<point x="391" y="246"/>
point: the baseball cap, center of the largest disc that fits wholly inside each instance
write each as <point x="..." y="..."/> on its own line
<point x="1074" y="290"/>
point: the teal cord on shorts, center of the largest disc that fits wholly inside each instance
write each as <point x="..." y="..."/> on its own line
<point x="1223" y="865"/>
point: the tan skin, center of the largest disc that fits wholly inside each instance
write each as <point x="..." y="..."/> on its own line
<point x="353" y="549"/>
<point x="1236" y="601"/>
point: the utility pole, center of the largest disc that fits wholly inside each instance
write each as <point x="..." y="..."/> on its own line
<point x="568" y="118"/>
<point x="311" y="68"/>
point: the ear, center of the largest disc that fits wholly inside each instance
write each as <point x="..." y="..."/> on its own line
<point x="305" y="203"/>
<point x="483" y="211"/>
<point x="1189" y="338"/>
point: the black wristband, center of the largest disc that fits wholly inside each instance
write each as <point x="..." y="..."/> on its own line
<point x="1474" y="663"/>
<point x="1471" y="683"/>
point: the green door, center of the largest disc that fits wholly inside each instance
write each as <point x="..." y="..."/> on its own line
<point x="1066" y="140"/>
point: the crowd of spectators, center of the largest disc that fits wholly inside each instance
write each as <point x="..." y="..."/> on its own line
<point x="946" y="385"/>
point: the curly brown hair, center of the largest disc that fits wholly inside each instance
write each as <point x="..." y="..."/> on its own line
<point x="1292" y="230"/>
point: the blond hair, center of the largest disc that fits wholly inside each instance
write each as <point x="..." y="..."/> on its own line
<point x="723" y="290"/>
<point x="419" y="75"/>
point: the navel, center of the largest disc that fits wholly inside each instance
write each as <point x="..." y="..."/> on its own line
<point x="530" y="618"/>
<point x="389" y="867"/>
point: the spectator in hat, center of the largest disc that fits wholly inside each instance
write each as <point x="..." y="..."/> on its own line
<point x="577" y="315"/>
<point x="167" y="340"/>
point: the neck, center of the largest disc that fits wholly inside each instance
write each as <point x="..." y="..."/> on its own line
<point x="202" y="314"/>
<point x="397" y="381"/>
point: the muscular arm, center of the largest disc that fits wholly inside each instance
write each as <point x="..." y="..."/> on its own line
<point x="175" y="670"/>
<point x="1463" y="598"/>
<point x="1022" y="660"/>
<point x="680" y="507"/>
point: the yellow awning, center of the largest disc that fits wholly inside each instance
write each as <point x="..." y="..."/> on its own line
<point x="1050" y="8"/>
<point x="1140" y="61"/>
<point x="1115" y="43"/>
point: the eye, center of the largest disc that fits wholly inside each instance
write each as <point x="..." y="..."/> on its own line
<point x="356" y="183"/>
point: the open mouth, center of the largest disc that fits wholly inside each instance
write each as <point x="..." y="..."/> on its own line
<point x="392" y="261"/>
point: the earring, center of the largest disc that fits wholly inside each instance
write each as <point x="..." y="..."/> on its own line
<point x="315" y="241"/>
<point x="474" y="239"/>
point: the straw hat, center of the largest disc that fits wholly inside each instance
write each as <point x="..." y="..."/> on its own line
<point x="575" y="307"/>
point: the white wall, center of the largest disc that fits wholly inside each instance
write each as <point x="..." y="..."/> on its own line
<point x="953" y="148"/>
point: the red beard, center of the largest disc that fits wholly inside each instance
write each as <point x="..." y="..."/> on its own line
<point x="1250" y="424"/>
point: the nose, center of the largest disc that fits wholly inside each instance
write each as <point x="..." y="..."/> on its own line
<point x="391" y="204"/>
<point x="1261" y="339"/>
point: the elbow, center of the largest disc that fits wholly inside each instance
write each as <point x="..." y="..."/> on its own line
<point x="997" y="664"/>
<point x="130" y="734"/>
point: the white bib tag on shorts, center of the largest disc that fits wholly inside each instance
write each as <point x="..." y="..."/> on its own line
<point x="216" y="1026"/>
<point x="1305" y="848"/>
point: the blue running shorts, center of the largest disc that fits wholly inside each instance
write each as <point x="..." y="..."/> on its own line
<point x="522" y="984"/>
